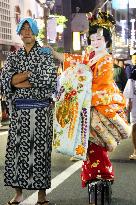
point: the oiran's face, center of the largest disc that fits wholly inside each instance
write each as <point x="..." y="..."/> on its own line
<point x="97" y="42"/>
<point x="26" y="34"/>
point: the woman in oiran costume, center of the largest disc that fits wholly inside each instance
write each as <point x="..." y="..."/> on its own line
<point x="108" y="124"/>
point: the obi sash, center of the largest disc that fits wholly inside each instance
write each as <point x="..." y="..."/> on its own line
<point x="32" y="103"/>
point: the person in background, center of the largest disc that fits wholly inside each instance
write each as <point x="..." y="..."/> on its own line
<point x="130" y="94"/>
<point x="119" y="76"/>
<point x="128" y="67"/>
<point x="29" y="78"/>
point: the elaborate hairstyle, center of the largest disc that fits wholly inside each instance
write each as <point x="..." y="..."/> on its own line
<point x="32" y="23"/>
<point x="102" y="19"/>
<point x="101" y="22"/>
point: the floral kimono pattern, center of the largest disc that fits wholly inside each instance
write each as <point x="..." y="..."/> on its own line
<point x="108" y="123"/>
<point x="72" y="115"/>
<point x="97" y="166"/>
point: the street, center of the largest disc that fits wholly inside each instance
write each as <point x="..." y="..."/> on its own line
<point x="66" y="184"/>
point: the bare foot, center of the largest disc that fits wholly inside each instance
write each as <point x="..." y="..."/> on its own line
<point x="16" y="199"/>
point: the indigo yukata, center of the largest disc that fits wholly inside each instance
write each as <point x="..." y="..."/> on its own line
<point x="29" y="145"/>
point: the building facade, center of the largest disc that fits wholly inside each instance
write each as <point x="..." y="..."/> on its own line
<point x="5" y="29"/>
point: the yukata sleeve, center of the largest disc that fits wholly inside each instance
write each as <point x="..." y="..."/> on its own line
<point x="45" y="75"/>
<point x="7" y="72"/>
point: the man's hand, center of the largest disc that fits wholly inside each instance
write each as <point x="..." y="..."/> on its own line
<point x="57" y="55"/>
<point x="24" y="84"/>
<point x="19" y="78"/>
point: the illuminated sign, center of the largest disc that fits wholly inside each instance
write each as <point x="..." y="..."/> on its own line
<point x="117" y="4"/>
<point x="76" y="41"/>
<point x="132" y="3"/>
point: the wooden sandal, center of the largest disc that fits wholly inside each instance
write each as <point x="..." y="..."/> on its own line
<point x="13" y="203"/>
<point x="42" y="202"/>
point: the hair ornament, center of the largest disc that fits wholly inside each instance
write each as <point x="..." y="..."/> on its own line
<point x="101" y="19"/>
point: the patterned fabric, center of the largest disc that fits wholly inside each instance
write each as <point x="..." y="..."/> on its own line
<point x="28" y="153"/>
<point x="42" y="78"/>
<point x="107" y="132"/>
<point x="72" y="115"/>
<point x="106" y="98"/>
<point x="97" y="165"/>
<point x="108" y="121"/>
<point x="71" y="59"/>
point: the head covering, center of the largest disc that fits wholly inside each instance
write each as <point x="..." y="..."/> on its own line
<point x="32" y="23"/>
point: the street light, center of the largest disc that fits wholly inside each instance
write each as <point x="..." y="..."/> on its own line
<point x="46" y="5"/>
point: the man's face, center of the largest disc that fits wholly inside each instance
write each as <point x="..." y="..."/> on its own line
<point x="26" y="34"/>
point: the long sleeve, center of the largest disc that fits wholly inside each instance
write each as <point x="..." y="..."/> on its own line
<point x="106" y="98"/>
<point x="103" y="82"/>
<point x="7" y="72"/>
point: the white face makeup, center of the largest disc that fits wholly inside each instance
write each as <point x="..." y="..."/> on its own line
<point x="98" y="42"/>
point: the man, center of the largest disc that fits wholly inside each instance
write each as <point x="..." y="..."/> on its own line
<point x="120" y="77"/>
<point x="29" y="79"/>
<point x="130" y="94"/>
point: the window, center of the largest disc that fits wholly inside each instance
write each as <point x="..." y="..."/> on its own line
<point x="5" y="20"/>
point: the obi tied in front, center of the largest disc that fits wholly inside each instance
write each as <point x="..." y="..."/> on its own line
<point x="32" y="103"/>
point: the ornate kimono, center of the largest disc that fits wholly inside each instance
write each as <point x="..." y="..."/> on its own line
<point x="72" y="113"/>
<point x="29" y="145"/>
<point x="108" y="123"/>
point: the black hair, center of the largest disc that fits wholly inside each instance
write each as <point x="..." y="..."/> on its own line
<point x="106" y="33"/>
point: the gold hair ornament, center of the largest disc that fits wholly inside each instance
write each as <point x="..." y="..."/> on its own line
<point x="101" y="19"/>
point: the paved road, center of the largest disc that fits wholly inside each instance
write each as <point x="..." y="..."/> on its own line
<point x="69" y="191"/>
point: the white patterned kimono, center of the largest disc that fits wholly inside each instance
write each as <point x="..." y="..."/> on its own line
<point x="72" y="115"/>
